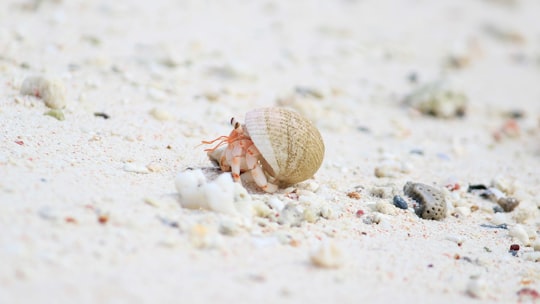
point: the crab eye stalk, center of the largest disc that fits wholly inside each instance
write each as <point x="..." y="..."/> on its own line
<point x="235" y="123"/>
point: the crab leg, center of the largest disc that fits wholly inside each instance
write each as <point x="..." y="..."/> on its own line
<point x="252" y="162"/>
<point x="234" y="158"/>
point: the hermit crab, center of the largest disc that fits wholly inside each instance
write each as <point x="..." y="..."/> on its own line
<point x="278" y="147"/>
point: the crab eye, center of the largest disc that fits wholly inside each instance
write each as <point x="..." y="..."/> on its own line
<point x="235" y="123"/>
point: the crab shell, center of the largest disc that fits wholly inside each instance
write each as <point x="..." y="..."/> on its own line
<point x="291" y="147"/>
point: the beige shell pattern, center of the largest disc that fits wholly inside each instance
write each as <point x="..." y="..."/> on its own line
<point x="290" y="145"/>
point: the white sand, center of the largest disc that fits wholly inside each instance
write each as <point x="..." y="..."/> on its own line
<point x="201" y="62"/>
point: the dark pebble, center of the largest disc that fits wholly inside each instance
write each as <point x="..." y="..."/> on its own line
<point x="501" y="226"/>
<point x="508" y="203"/>
<point x="102" y="115"/>
<point x="514" y="248"/>
<point x="476" y="187"/>
<point x="400" y="202"/>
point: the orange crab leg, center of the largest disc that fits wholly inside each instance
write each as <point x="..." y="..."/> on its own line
<point x="223" y="140"/>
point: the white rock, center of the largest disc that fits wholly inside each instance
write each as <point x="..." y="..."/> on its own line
<point x="189" y="185"/>
<point x="385" y="208"/>
<point x="328" y="212"/>
<point x="536" y="245"/>
<point x="328" y="255"/>
<point x="477" y="288"/>
<point x="204" y="237"/>
<point x="503" y="184"/>
<point x="161" y="114"/>
<point x="291" y="216"/>
<point x="499" y="218"/>
<point x="276" y="204"/>
<point x="220" y="194"/>
<point x="459" y="240"/>
<point x="462" y="211"/>
<point x="519" y="233"/>
<point x="52" y="91"/>
<point x="311" y="214"/>
<point x="136" y="168"/>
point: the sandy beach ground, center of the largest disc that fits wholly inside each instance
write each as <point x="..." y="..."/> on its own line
<point x="89" y="212"/>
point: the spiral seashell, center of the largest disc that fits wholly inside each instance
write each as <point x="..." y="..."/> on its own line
<point x="291" y="147"/>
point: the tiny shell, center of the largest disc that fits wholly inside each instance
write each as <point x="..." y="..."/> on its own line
<point x="291" y="146"/>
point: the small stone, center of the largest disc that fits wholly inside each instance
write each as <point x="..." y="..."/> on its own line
<point x="328" y="255"/>
<point x="519" y="233"/>
<point x="499" y="219"/>
<point x="514" y="247"/>
<point x="291" y="216"/>
<point x="462" y="211"/>
<point x="508" y="203"/>
<point x="387" y="171"/>
<point x="382" y="192"/>
<point x="385" y="208"/>
<point x="400" y="202"/>
<point x="161" y="114"/>
<point x="536" y="245"/>
<point x="459" y="240"/>
<point x="228" y="227"/>
<point x="311" y="214"/>
<point x="431" y="203"/>
<point x="354" y="195"/>
<point x="134" y="168"/>
<point x="477" y="288"/>
<point x="153" y="202"/>
<point x="328" y="212"/>
<point x="438" y="99"/>
<point x="51" y="91"/>
<point x="55" y="113"/>
<point x="503" y="184"/>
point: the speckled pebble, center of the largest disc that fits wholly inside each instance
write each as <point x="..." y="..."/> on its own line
<point x="431" y="203"/>
<point x="51" y="91"/>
